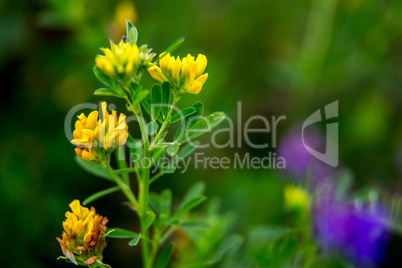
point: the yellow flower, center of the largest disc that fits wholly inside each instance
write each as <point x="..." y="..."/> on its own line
<point x="296" y="198"/>
<point x="95" y="137"/>
<point x="122" y="61"/>
<point x="186" y="75"/>
<point x="82" y="241"/>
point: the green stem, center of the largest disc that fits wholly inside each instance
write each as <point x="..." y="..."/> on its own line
<point x="165" y="124"/>
<point x="143" y="181"/>
<point x="155" y="247"/>
<point x="123" y="187"/>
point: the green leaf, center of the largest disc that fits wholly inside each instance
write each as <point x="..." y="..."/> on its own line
<point x="134" y="88"/>
<point x="156" y="98"/>
<point x="105" y="79"/>
<point x="70" y="259"/>
<point x="175" y="222"/>
<point x="187" y="206"/>
<point x="175" y="45"/>
<point x="190" y="120"/>
<point x="183" y="114"/>
<point x="134" y="241"/>
<point x="135" y="148"/>
<point x="166" y="201"/>
<point x="146" y="104"/>
<point x="196" y="190"/>
<point x="165" y="99"/>
<point x="140" y="96"/>
<point x="173" y="149"/>
<point x="199" y="108"/>
<point x="101" y="264"/>
<point x="94" y="169"/>
<point x="268" y="234"/>
<point x="124" y="171"/>
<point x="195" y="225"/>
<point x="152" y="128"/>
<point x="232" y="242"/>
<point x="121" y="233"/>
<point x="108" y="92"/>
<point x="108" y="232"/>
<point x="158" y="152"/>
<point x="138" y="93"/>
<point x="122" y="163"/>
<point x="100" y="194"/>
<point x="170" y="169"/>
<point x="161" y="164"/>
<point x="187" y="150"/>
<point x="204" y="125"/>
<point x="131" y="32"/>
<point x="149" y="218"/>
<point x="154" y="202"/>
<point x="164" y="258"/>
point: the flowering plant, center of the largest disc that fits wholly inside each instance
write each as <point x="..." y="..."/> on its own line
<point x="99" y="134"/>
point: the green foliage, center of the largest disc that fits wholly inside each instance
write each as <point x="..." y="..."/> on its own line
<point x="165" y="256"/>
<point x="156" y="101"/>
<point x="131" y="33"/>
<point x="93" y="168"/>
<point x="175" y="45"/>
<point x="165" y="99"/>
<point x="100" y="194"/>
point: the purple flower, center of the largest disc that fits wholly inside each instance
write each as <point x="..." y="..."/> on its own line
<point x="298" y="160"/>
<point x="358" y="233"/>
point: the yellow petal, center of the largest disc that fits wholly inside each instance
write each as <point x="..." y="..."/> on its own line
<point x="76" y="207"/>
<point x="195" y="88"/>
<point x="78" y="151"/>
<point x="77" y="134"/>
<point x="176" y="71"/>
<point x="88" y="156"/>
<point x="105" y="65"/>
<point x="164" y="62"/>
<point x="191" y="72"/>
<point x="82" y="118"/>
<point x="157" y="74"/>
<point x="201" y="65"/>
<point x="92" y="120"/>
<point x="202" y="78"/>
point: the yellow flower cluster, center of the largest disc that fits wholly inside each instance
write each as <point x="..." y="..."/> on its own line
<point x="94" y="137"/>
<point x="121" y="61"/>
<point x="296" y="198"/>
<point x="82" y="241"/>
<point x="186" y="75"/>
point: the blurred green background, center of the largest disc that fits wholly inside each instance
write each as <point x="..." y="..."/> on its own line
<point x="277" y="57"/>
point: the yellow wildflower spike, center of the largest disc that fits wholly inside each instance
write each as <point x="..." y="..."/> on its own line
<point x="123" y="60"/>
<point x="185" y="76"/>
<point x="99" y="134"/>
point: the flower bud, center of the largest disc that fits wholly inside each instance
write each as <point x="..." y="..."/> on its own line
<point x="83" y="238"/>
